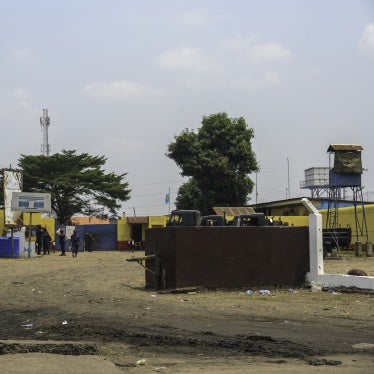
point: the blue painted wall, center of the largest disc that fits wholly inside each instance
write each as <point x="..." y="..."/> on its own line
<point x="105" y="237"/>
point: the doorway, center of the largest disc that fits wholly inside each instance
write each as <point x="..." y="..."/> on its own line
<point x="136" y="232"/>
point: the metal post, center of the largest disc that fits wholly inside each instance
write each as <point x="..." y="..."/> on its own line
<point x="288" y="178"/>
<point x="12" y="243"/>
<point x="29" y="246"/>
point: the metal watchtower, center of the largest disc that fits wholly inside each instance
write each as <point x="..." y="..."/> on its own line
<point x="346" y="173"/>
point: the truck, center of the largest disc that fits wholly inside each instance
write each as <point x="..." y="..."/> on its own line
<point x="213" y="220"/>
<point x="252" y="219"/>
<point x="182" y="217"/>
<point x="194" y="218"/>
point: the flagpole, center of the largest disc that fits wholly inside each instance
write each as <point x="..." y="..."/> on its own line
<point x="169" y="200"/>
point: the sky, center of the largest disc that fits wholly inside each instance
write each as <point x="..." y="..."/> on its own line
<point x="121" y="79"/>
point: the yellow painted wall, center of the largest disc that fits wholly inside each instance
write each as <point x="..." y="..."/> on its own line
<point x="293" y="220"/>
<point x="297" y="211"/>
<point x="123" y="227"/>
<point x="36" y="219"/>
<point x="123" y="230"/>
<point x="346" y="218"/>
<point x="157" y="221"/>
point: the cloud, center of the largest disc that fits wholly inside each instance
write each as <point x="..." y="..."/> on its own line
<point x="20" y="93"/>
<point x="249" y="48"/>
<point x="198" y="18"/>
<point x="193" y="18"/>
<point x="367" y="38"/>
<point x="118" y="90"/>
<point x="16" y="93"/>
<point x="238" y="43"/>
<point x="23" y="55"/>
<point x="268" y="52"/>
<point x="272" y="78"/>
<point x="269" y="78"/>
<point x="17" y="96"/>
<point x="183" y="58"/>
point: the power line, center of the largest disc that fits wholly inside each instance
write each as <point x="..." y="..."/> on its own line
<point x="154" y="194"/>
<point x="150" y="184"/>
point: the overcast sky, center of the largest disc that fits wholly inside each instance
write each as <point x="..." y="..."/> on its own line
<point x="122" y="78"/>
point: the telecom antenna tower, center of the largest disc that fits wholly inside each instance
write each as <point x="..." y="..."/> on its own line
<point x="44" y="122"/>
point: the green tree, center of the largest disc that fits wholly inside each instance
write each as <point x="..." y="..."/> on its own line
<point x="77" y="183"/>
<point x="217" y="158"/>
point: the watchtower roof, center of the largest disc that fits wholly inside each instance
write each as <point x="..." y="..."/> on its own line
<point x="344" y="147"/>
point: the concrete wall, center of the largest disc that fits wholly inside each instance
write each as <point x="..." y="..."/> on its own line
<point x="226" y="256"/>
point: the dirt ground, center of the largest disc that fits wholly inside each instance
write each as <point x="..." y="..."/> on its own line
<point x="92" y="314"/>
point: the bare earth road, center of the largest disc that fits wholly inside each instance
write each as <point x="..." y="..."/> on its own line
<point x="92" y="314"/>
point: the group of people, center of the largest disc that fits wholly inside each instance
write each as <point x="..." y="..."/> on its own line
<point x="75" y="241"/>
<point x="43" y="241"/>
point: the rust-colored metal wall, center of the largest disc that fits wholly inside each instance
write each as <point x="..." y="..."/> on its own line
<point x="226" y="256"/>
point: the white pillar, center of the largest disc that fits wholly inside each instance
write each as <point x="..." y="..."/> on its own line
<point x="315" y="240"/>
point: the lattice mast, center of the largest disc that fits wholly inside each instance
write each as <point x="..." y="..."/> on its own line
<point x="44" y="123"/>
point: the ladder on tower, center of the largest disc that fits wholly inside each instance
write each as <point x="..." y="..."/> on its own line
<point x="334" y="195"/>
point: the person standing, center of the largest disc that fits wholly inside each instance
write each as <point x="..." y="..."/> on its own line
<point x="75" y="242"/>
<point x="88" y="239"/>
<point x="46" y="239"/>
<point x="131" y="245"/>
<point x="62" y="240"/>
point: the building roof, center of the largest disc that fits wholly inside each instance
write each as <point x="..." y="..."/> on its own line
<point x="85" y="220"/>
<point x="137" y="219"/>
<point x="344" y="147"/>
<point x="282" y="203"/>
<point x="318" y="201"/>
<point x="233" y="211"/>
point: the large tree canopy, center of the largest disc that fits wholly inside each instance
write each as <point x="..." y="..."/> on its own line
<point x="217" y="158"/>
<point x="77" y="183"/>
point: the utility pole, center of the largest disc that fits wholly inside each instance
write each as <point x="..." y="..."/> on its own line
<point x="288" y="178"/>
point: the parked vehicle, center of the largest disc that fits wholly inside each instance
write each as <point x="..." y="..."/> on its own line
<point x="252" y="219"/>
<point x="194" y="218"/>
<point x="181" y="217"/>
<point x="213" y="220"/>
<point x="339" y="238"/>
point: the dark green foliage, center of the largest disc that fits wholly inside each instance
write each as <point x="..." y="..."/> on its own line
<point x="77" y="183"/>
<point x="217" y="158"/>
